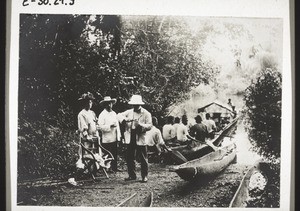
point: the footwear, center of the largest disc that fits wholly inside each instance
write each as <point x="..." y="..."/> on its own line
<point x="144" y="180"/>
<point x="72" y="181"/>
<point x="130" y="178"/>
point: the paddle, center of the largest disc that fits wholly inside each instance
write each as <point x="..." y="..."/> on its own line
<point x="208" y="143"/>
<point x="177" y="156"/>
<point x="224" y="135"/>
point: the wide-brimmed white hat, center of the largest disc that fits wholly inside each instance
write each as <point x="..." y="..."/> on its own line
<point x="108" y="99"/>
<point x="136" y="100"/>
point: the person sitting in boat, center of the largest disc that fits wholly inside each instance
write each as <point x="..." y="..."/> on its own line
<point x="154" y="138"/>
<point x="176" y="124"/>
<point x="168" y="131"/>
<point x="211" y="126"/>
<point x="199" y="130"/>
<point x="185" y="121"/>
<point x="182" y="130"/>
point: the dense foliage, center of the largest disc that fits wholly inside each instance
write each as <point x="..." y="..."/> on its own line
<point x="63" y="56"/>
<point x="263" y="102"/>
<point x="163" y="56"/>
<point x="270" y="195"/>
<point x="44" y="150"/>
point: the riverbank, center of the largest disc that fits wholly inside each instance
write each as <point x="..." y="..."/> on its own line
<point x="169" y="190"/>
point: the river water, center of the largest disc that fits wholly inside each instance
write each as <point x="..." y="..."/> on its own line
<point x="245" y="154"/>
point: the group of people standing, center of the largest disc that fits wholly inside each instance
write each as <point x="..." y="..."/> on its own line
<point x="135" y="121"/>
<point x="137" y="129"/>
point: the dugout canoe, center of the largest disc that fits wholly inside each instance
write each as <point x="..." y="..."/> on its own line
<point x="200" y="150"/>
<point x="242" y="194"/>
<point x="208" y="165"/>
<point x="134" y="201"/>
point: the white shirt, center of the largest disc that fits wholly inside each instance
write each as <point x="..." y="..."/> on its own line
<point x="87" y="122"/>
<point x="210" y="124"/>
<point x="105" y="120"/>
<point x="175" y="127"/>
<point x="168" y="132"/>
<point x="182" y="132"/>
<point x="143" y="118"/>
<point x="154" y="137"/>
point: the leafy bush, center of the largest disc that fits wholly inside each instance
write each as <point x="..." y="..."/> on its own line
<point x="45" y="150"/>
<point x="263" y="113"/>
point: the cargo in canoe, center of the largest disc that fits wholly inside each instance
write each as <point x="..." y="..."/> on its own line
<point x="134" y="201"/>
<point x="208" y="165"/>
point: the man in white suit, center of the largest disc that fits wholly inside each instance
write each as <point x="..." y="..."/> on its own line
<point x="110" y="130"/>
<point x="137" y="122"/>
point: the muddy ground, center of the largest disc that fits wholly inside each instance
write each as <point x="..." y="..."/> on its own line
<point x="169" y="190"/>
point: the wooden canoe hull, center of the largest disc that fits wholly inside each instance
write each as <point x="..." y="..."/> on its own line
<point x="201" y="150"/>
<point x="210" y="164"/>
<point x="242" y="193"/>
<point x="133" y="201"/>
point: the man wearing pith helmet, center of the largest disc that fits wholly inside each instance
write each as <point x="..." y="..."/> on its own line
<point x="137" y="122"/>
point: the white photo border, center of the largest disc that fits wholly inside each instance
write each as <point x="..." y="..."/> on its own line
<point x="205" y="8"/>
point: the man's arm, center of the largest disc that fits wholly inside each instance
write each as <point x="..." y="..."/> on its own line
<point x="101" y="122"/>
<point x="123" y="116"/>
<point x="147" y="125"/>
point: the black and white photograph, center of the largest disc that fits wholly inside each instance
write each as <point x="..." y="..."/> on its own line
<point x="149" y="110"/>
